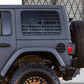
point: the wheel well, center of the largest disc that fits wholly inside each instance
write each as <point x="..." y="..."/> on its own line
<point x="45" y="58"/>
<point x="40" y="56"/>
<point x="37" y="55"/>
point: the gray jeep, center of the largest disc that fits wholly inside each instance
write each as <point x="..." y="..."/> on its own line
<point x="37" y="46"/>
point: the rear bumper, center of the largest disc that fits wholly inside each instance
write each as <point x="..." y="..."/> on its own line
<point x="71" y="72"/>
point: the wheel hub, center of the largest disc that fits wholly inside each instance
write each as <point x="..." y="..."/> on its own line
<point x="35" y="80"/>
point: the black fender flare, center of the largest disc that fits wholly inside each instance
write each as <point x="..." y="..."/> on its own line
<point x="20" y="51"/>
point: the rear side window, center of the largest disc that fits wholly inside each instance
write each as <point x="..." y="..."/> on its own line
<point x="40" y="23"/>
<point x="5" y="23"/>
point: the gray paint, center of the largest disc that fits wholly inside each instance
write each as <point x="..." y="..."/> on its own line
<point x="6" y="52"/>
<point x="62" y="13"/>
<point x="27" y="43"/>
<point x="15" y="56"/>
<point x="20" y="43"/>
<point x="29" y="6"/>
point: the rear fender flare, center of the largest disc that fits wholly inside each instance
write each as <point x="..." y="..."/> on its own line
<point x="35" y="49"/>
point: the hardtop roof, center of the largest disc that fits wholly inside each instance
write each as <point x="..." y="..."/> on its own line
<point x="29" y="6"/>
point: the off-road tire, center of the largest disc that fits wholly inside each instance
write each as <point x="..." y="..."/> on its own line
<point x="77" y="36"/>
<point x="32" y="70"/>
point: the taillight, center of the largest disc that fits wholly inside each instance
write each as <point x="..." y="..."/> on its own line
<point x="69" y="49"/>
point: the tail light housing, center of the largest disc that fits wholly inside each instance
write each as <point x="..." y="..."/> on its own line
<point x="71" y="48"/>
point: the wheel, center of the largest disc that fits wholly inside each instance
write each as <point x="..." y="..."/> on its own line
<point x="34" y="73"/>
<point x="77" y="36"/>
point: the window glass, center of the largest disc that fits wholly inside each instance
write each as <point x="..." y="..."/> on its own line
<point x="5" y="23"/>
<point x="40" y="23"/>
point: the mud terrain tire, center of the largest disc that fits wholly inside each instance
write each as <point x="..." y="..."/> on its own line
<point x="34" y="72"/>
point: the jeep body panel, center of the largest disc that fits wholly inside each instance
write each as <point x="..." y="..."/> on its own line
<point x="49" y="41"/>
<point x="36" y="49"/>
<point x="64" y="23"/>
<point x="20" y="43"/>
<point x="7" y="43"/>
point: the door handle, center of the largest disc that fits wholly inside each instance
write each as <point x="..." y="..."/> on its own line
<point x="4" y="45"/>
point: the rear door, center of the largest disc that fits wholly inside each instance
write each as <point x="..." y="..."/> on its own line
<point x="7" y="35"/>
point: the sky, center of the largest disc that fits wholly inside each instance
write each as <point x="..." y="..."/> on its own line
<point x="79" y="78"/>
<point x="10" y="2"/>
